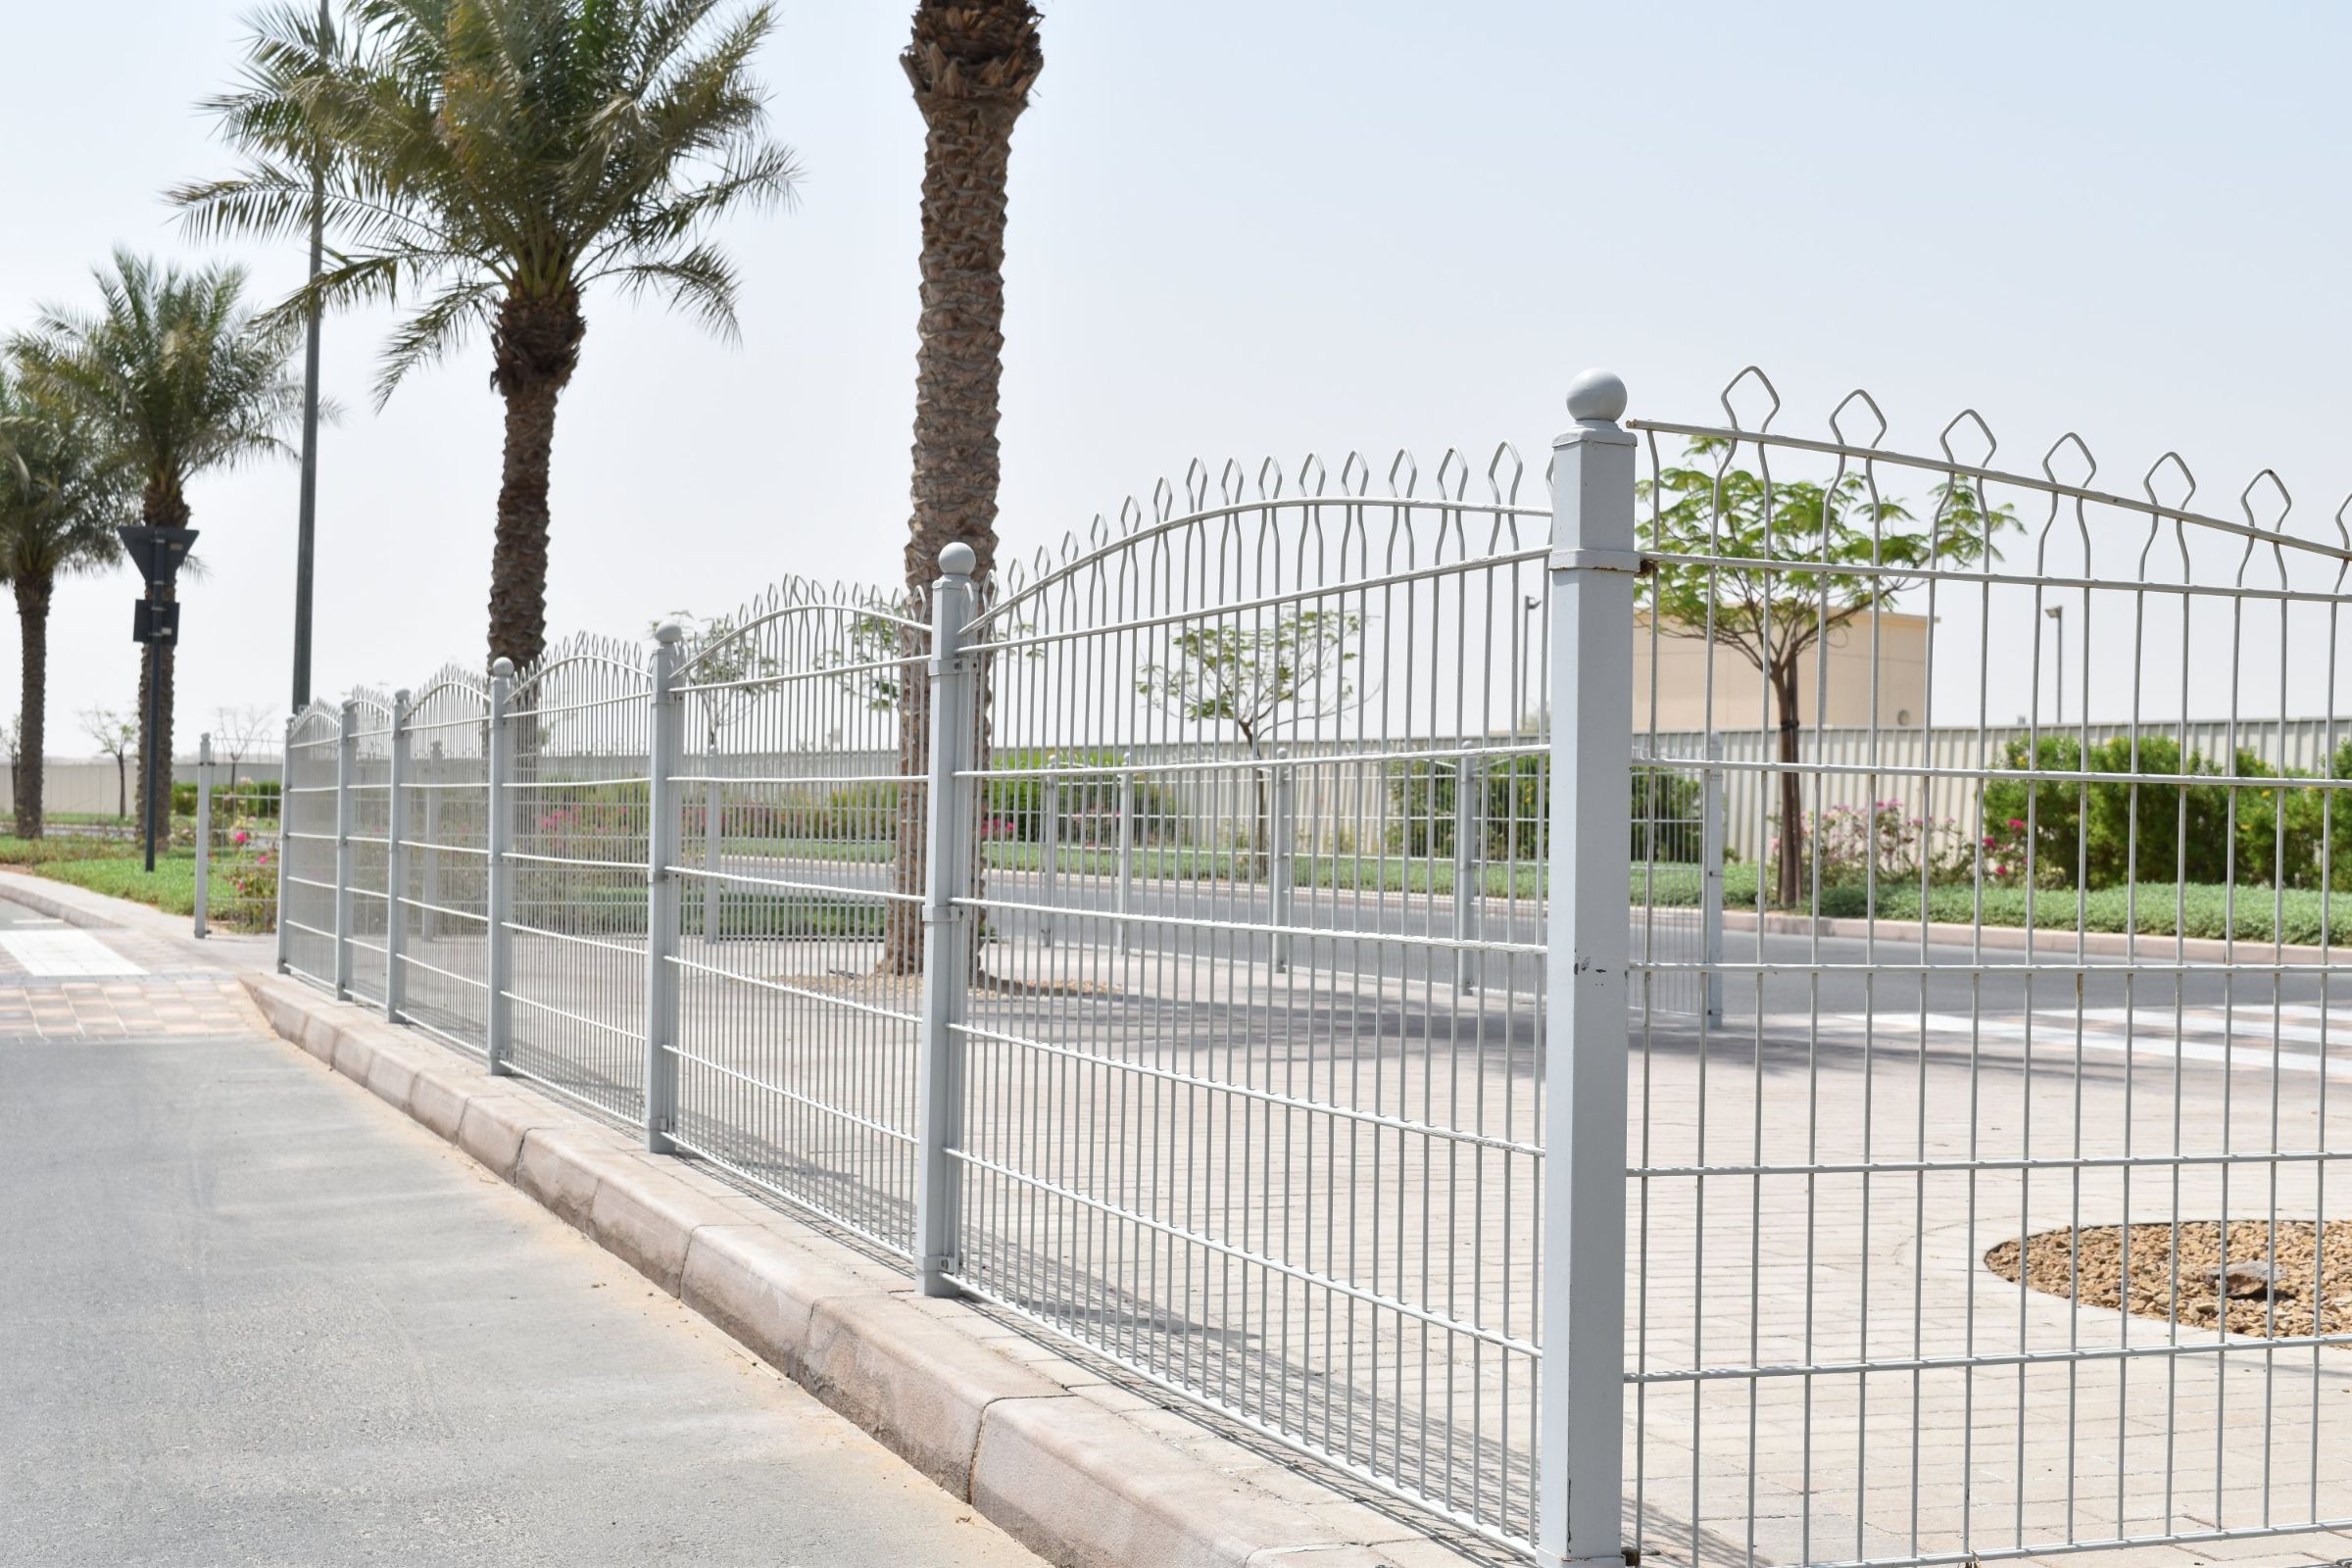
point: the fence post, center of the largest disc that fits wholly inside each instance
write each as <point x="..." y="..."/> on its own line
<point x="1126" y="850"/>
<point x="1048" y="855"/>
<point x="662" y="912"/>
<point x="1281" y="872"/>
<point x="204" y="828"/>
<point x="949" y="947"/>
<point x="499" y="899"/>
<point x="1469" y="883"/>
<point x="344" y="745"/>
<point x="1593" y="569"/>
<point x="285" y="841"/>
<point x="396" y="861"/>
<point x="1710" y="887"/>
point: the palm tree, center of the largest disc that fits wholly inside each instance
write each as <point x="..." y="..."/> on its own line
<point x="495" y="159"/>
<point x="173" y="375"/>
<point x="972" y="64"/>
<point x="60" y="504"/>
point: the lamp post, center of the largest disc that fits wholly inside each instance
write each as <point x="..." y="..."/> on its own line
<point x="155" y="621"/>
<point x="305" y="527"/>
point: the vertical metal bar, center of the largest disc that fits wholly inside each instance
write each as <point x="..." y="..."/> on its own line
<point x="204" y="827"/>
<point x="286" y="775"/>
<point x="947" y="940"/>
<point x="499" y="967"/>
<point x="1710" y="887"/>
<point x="714" y="812"/>
<point x="1048" y="851"/>
<point x="1126" y="886"/>
<point x="396" y="859"/>
<point x="664" y="746"/>
<point x="1580" y="1459"/>
<point x="429" y="892"/>
<point x="345" y="737"/>
<point x="1469" y="790"/>
<point x="1281" y="872"/>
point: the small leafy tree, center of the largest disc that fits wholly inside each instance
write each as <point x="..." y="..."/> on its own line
<point x="237" y="731"/>
<point x="116" y="736"/>
<point x="1826" y="548"/>
<point x="1261" y="679"/>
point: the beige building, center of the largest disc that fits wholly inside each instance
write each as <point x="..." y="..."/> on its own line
<point x="1899" y="673"/>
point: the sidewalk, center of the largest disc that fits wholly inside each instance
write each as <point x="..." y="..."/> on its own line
<point x="249" y="1318"/>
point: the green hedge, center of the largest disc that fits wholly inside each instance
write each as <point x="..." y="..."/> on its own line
<point x="2183" y="831"/>
<point x="2198" y="910"/>
<point x="1515" y="803"/>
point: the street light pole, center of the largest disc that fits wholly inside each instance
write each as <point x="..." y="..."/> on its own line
<point x="307" y="527"/>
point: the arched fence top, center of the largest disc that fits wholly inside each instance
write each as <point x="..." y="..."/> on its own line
<point x="452" y="680"/>
<point x="1314" y="530"/>
<point x="590" y="651"/>
<point x="789" y="599"/>
<point x="318" y="723"/>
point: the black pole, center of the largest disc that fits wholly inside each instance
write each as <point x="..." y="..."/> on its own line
<point x="155" y="721"/>
<point x="306" y="529"/>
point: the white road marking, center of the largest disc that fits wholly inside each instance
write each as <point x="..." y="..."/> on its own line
<point x="67" y="952"/>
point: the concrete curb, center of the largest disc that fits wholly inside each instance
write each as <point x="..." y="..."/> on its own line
<point x="1038" y="1443"/>
<point x="2012" y="938"/>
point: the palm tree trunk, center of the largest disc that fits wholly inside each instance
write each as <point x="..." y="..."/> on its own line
<point x="33" y="626"/>
<point x="537" y="347"/>
<point x="971" y="63"/>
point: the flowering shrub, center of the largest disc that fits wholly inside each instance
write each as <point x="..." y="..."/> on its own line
<point x="1849" y="843"/>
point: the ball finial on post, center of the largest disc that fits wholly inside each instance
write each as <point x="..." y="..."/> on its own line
<point x="501" y="666"/>
<point x="668" y="633"/>
<point x="957" y="560"/>
<point x="1596" y="397"/>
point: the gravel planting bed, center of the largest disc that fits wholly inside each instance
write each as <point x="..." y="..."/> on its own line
<point x="2267" y="1293"/>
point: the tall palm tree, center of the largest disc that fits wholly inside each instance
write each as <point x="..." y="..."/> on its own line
<point x="174" y="375"/>
<point x="972" y="64"/>
<point x="60" y="504"/>
<point x="495" y="159"/>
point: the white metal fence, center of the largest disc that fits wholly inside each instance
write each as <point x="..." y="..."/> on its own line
<point x="1223" y="945"/>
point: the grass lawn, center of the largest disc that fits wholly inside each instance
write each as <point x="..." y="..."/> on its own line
<point x="172" y="888"/>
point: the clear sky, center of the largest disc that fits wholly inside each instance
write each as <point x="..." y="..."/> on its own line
<point x="1252" y="225"/>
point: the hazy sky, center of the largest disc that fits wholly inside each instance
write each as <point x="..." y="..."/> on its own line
<point x="1252" y="225"/>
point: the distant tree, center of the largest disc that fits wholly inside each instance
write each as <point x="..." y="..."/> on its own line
<point x="114" y="736"/>
<point x="1774" y="615"/>
<point x="61" y="500"/>
<point x="495" y="160"/>
<point x="1261" y="679"/>
<point x="174" y="377"/>
<point x="237" y="731"/>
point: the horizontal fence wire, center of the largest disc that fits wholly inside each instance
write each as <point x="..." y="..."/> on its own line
<point x="579" y="804"/>
<point x="1929" y="1236"/>
<point x="444" y="906"/>
<point x="1250" y="1091"/>
<point x="307" y="904"/>
<point x="799" y="943"/>
<point x="1926" y="1214"/>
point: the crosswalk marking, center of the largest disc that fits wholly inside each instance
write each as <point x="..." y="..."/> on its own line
<point x="2240" y="1037"/>
<point x="65" y="953"/>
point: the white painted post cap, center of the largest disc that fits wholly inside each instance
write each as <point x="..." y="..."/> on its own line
<point x="1597" y="396"/>
<point x="957" y="560"/>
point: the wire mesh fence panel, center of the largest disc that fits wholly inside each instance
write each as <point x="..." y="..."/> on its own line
<point x="308" y="903"/>
<point x="1250" y="1085"/>
<point x="370" y="836"/>
<point x="799" y="943"/>
<point x="445" y="903"/>
<point x="1668" y="808"/>
<point x="1998" y="1222"/>
<point x="241" y="861"/>
<point x="579" y="818"/>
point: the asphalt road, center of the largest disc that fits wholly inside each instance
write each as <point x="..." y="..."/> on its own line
<point x="250" y="1316"/>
